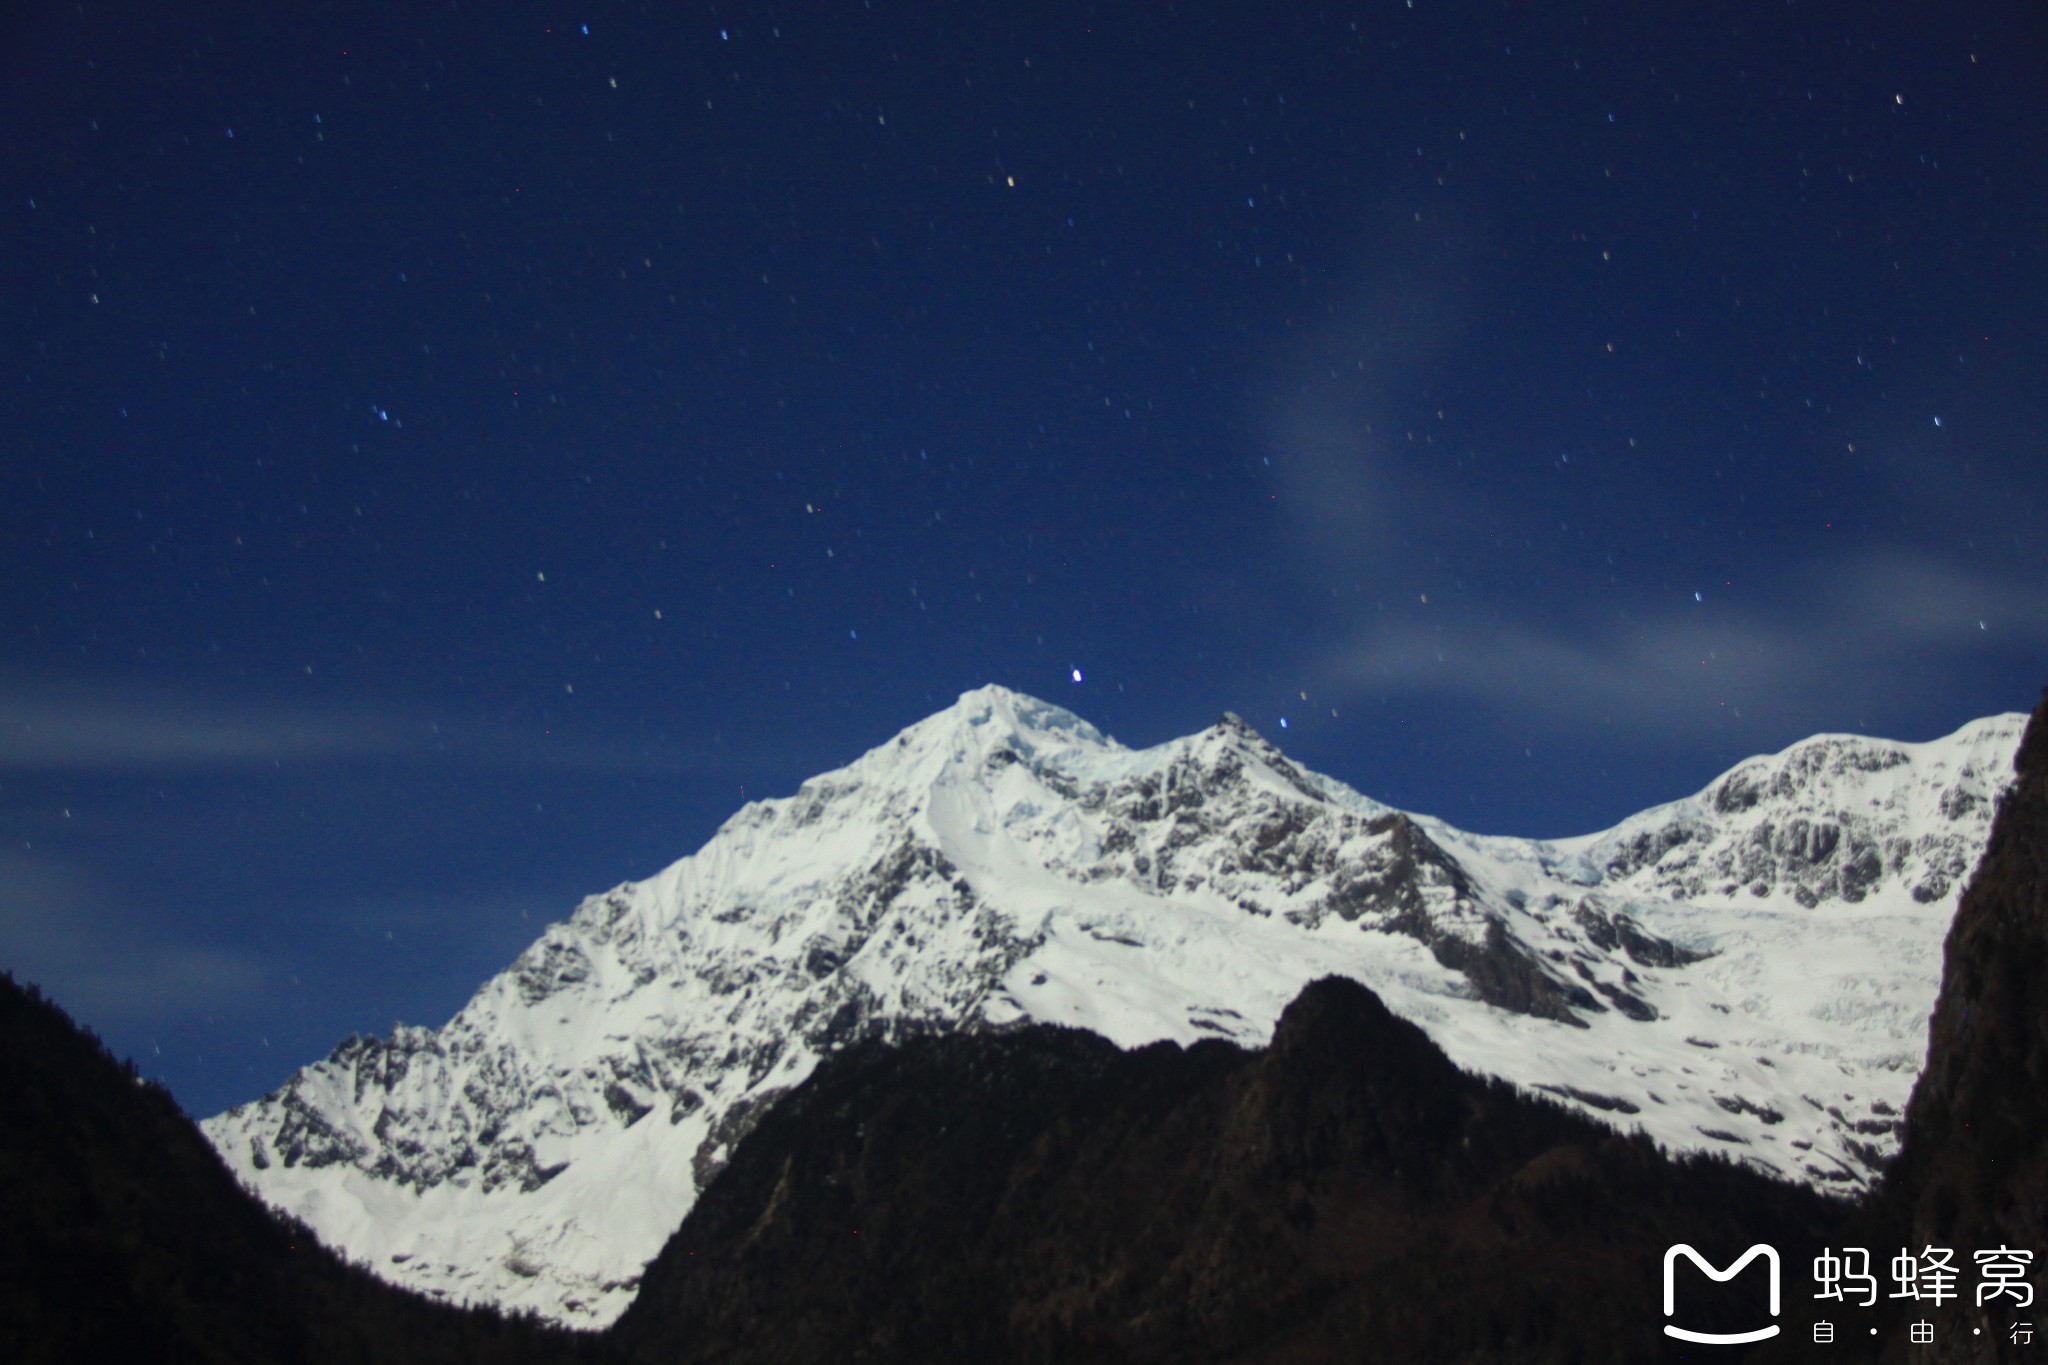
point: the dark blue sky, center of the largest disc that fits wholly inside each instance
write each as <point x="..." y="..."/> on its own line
<point x="447" y="456"/>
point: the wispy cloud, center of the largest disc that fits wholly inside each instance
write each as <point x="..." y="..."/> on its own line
<point x="1896" y="597"/>
<point x="55" y="725"/>
<point x="1326" y="406"/>
<point x="1849" y="632"/>
<point x="1443" y="582"/>
<point x="75" y="725"/>
<point x="66" y="930"/>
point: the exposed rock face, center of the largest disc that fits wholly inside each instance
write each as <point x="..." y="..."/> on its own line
<point x="1793" y="834"/>
<point x="1347" y="1194"/>
<point x="1703" y="972"/>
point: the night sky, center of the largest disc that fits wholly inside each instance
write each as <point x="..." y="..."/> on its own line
<point x="451" y="455"/>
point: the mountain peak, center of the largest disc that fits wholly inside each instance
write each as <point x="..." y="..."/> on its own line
<point x="991" y="715"/>
<point x="1236" y="728"/>
<point x="995" y="703"/>
<point x="1696" y="971"/>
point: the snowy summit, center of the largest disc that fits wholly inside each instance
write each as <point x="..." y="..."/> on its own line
<point x="1747" y="971"/>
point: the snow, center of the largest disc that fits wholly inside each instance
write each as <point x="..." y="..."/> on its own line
<point x="1003" y="861"/>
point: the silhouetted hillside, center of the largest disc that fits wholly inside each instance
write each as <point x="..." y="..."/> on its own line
<point x="1973" y="1171"/>
<point x="1347" y="1194"/>
<point x="125" y="1239"/>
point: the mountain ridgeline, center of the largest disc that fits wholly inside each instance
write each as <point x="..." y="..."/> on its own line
<point x="1747" y="971"/>
<point x="1345" y="1194"/>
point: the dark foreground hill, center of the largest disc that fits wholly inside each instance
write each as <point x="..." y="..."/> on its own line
<point x="1347" y="1194"/>
<point x="124" y="1238"/>
<point x="1973" y="1172"/>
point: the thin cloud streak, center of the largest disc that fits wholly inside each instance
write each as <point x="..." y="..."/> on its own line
<point x="1328" y="399"/>
<point x="54" y="727"/>
<point x="60" y="928"/>
<point x="1869" y="619"/>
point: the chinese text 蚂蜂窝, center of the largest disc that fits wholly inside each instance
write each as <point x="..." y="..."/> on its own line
<point x="1930" y="1275"/>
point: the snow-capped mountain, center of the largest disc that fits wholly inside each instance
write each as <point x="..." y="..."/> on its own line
<point x="1747" y="971"/>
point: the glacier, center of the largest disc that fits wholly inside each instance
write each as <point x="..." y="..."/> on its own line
<point x="1747" y="971"/>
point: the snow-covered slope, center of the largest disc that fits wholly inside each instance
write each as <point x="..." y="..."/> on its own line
<point x="1746" y="971"/>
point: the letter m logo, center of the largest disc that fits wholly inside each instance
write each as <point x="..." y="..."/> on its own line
<point x="1671" y="1255"/>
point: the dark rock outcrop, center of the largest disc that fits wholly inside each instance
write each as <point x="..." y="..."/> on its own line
<point x="1974" y="1163"/>
<point x="1973" y="1169"/>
